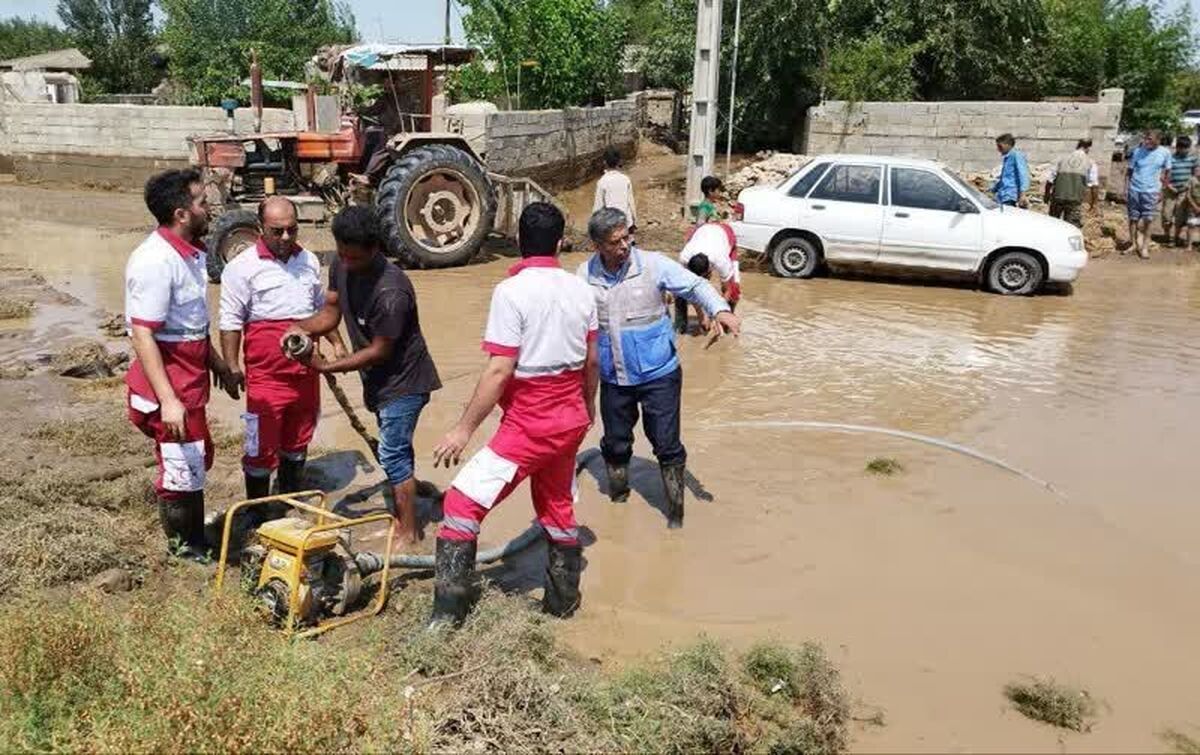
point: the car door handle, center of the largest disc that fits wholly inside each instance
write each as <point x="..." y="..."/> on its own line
<point x="902" y="214"/>
<point x="818" y="207"/>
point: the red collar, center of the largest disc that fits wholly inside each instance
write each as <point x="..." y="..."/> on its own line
<point x="264" y="252"/>
<point x="184" y="248"/>
<point x="528" y="262"/>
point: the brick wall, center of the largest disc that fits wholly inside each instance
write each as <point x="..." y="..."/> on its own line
<point x="117" y="145"/>
<point x="559" y="148"/>
<point x="962" y="134"/>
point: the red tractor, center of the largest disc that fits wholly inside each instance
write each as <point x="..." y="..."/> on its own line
<point x="435" y="198"/>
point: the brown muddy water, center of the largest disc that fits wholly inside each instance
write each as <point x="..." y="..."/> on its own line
<point x="931" y="588"/>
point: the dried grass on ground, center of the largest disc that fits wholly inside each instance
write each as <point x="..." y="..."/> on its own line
<point x="190" y="673"/>
<point x="14" y="309"/>
<point x="1050" y="702"/>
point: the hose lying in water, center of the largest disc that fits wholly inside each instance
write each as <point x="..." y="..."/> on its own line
<point x="840" y="427"/>
<point x="368" y="563"/>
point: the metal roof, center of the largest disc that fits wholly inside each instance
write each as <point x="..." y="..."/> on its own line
<point x="398" y="57"/>
<point x="69" y="59"/>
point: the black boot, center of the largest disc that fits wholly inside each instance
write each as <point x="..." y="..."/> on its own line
<point x="681" y="315"/>
<point x="291" y="475"/>
<point x="454" y="570"/>
<point x="183" y="524"/>
<point x="618" y="482"/>
<point x="672" y="476"/>
<point x="257" y="487"/>
<point x="562" y="580"/>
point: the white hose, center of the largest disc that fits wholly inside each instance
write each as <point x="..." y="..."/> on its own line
<point x="841" y="427"/>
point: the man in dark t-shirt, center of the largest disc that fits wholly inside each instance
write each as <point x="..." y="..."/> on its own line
<point x="377" y="302"/>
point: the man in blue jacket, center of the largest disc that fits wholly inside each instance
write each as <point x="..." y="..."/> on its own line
<point x="638" y="365"/>
<point x="1013" y="182"/>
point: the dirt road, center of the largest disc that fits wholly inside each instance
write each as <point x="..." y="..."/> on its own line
<point x="932" y="588"/>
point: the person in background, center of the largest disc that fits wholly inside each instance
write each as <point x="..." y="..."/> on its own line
<point x="166" y="314"/>
<point x="1013" y="182"/>
<point x="712" y="246"/>
<point x="264" y="290"/>
<point x="709" y="208"/>
<point x="543" y="370"/>
<point x="1193" y="205"/>
<point x="615" y="190"/>
<point x="1175" y="201"/>
<point x="377" y="302"/>
<point x="638" y="364"/>
<point x="1071" y="178"/>
<point x="1148" y="172"/>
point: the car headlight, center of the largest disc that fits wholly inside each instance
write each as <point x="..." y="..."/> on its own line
<point x="1076" y="243"/>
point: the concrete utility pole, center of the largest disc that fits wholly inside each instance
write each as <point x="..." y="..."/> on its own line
<point x="446" y="39"/>
<point x="702" y="142"/>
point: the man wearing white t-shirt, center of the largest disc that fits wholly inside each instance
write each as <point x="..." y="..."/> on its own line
<point x="712" y="247"/>
<point x="166" y="314"/>
<point x="543" y="370"/>
<point x="264" y="291"/>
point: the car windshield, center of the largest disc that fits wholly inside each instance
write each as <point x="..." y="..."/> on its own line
<point x="983" y="199"/>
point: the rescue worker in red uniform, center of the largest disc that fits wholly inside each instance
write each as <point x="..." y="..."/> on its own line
<point x="166" y="314"/>
<point x="543" y="371"/>
<point x="264" y="290"/>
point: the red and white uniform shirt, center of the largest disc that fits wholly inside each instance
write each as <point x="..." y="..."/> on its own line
<point x="543" y="316"/>
<point x="165" y="287"/>
<point x="262" y="296"/>
<point x="717" y="242"/>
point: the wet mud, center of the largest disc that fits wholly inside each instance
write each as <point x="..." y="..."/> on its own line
<point x="933" y="587"/>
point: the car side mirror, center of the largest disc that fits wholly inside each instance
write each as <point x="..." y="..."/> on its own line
<point x="966" y="207"/>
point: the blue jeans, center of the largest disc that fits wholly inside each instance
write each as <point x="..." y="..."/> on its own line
<point x="1141" y="205"/>
<point x="659" y="402"/>
<point x="397" y="423"/>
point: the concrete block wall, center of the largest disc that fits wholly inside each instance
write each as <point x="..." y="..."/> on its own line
<point x="559" y="148"/>
<point x="117" y="145"/>
<point x="962" y="134"/>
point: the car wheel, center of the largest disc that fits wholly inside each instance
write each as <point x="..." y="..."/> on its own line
<point x="795" y="257"/>
<point x="1016" y="274"/>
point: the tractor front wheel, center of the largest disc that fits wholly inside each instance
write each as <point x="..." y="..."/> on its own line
<point x="229" y="236"/>
<point x="436" y="206"/>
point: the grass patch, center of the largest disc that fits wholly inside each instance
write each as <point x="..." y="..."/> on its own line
<point x="109" y="435"/>
<point x="188" y="672"/>
<point x="1053" y="703"/>
<point x="883" y="465"/>
<point x="1180" y="743"/>
<point x="14" y="309"/>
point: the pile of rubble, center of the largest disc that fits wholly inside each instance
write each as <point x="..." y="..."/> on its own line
<point x="769" y="169"/>
<point x="1038" y="175"/>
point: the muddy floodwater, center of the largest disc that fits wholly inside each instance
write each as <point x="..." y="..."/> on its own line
<point x="930" y="588"/>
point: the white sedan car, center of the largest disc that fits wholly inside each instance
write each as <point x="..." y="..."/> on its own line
<point x="893" y="212"/>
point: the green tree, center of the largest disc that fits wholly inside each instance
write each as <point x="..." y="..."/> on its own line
<point x="210" y="41"/>
<point x="20" y="37"/>
<point x="871" y="69"/>
<point x="118" y="35"/>
<point x="564" y="52"/>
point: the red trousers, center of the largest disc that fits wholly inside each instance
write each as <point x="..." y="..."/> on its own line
<point x="280" y="419"/>
<point x="182" y="464"/>
<point x="498" y="468"/>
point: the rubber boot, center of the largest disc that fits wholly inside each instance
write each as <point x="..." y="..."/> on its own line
<point x="562" y="598"/>
<point x="183" y="523"/>
<point x="291" y="475"/>
<point x="454" y="571"/>
<point x="672" y="476"/>
<point x="618" y="482"/>
<point x="257" y="486"/>
<point x="681" y="315"/>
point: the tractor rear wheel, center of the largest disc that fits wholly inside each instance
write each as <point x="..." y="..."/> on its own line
<point x="230" y="234"/>
<point x="436" y="206"/>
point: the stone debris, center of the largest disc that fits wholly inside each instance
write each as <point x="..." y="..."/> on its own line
<point x="768" y="170"/>
<point x="90" y="360"/>
<point x="113" y="580"/>
<point x="113" y="326"/>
